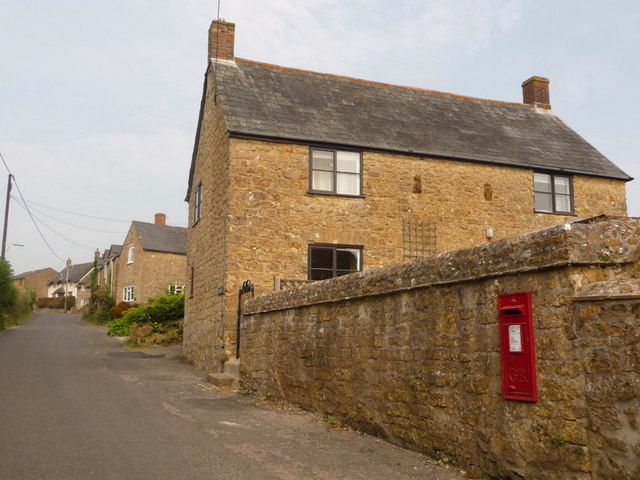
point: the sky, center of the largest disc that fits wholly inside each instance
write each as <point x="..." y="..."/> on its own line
<point x="99" y="99"/>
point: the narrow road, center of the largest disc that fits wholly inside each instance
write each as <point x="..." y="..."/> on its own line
<point x="76" y="404"/>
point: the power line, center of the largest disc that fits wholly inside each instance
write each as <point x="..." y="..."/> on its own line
<point x="78" y="214"/>
<point x="26" y="207"/>
<point x="68" y="223"/>
<point x="5" y="163"/>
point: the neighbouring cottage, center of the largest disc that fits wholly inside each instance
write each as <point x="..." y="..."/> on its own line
<point x="36" y="280"/>
<point x="108" y="270"/>
<point x="72" y="281"/>
<point x="152" y="261"/>
<point x="298" y="175"/>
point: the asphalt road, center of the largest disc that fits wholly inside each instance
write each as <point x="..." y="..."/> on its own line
<point x="76" y="404"/>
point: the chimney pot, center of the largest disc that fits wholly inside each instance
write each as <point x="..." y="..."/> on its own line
<point x="161" y="219"/>
<point x="221" y="40"/>
<point x="535" y="91"/>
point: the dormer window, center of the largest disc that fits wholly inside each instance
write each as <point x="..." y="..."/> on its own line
<point x="553" y="193"/>
<point x="131" y="254"/>
<point x="336" y="172"/>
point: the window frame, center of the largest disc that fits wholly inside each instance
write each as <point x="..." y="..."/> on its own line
<point x="175" y="288"/>
<point x="553" y="194"/>
<point x="129" y="293"/>
<point x="334" y="268"/>
<point x="335" y="172"/>
<point x="131" y="255"/>
<point x="197" y="204"/>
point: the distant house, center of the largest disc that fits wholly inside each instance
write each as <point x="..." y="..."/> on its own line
<point x="36" y="280"/>
<point x="73" y="281"/>
<point x="152" y="261"/>
<point x="304" y="176"/>
<point x="108" y="270"/>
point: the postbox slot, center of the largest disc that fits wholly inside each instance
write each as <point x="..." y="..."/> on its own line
<point x="513" y="310"/>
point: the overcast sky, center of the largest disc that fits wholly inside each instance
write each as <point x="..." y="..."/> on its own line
<point x="99" y="99"/>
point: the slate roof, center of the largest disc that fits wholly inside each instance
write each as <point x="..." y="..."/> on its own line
<point x="32" y="272"/>
<point x="76" y="273"/>
<point x="162" y="238"/>
<point x="261" y="100"/>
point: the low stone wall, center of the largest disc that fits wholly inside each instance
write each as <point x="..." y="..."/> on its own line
<point x="411" y="352"/>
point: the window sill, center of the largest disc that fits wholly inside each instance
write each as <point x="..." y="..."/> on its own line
<point x="563" y="214"/>
<point x="331" y="194"/>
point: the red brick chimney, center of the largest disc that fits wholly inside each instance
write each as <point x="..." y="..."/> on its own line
<point x="535" y="91"/>
<point x="221" y="40"/>
<point x="161" y="219"/>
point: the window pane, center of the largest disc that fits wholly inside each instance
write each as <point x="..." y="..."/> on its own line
<point x="322" y="160"/>
<point x="561" y="185"/>
<point x="563" y="203"/>
<point x="542" y="182"/>
<point x="322" y="258"/>
<point x="543" y="202"/>
<point x="348" y="183"/>
<point x="322" y="181"/>
<point x="348" y="259"/>
<point x="348" y="162"/>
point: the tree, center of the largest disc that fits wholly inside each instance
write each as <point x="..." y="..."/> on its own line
<point x="8" y="292"/>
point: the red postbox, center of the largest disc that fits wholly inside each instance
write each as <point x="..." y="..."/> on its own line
<point x="517" y="350"/>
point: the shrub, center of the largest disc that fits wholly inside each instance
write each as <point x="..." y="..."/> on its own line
<point x="56" y="302"/>
<point x="119" y="310"/>
<point x="159" y="310"/>
<point x="119" y="327"/>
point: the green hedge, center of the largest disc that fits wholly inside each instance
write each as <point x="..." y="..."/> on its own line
<point x="163" y="309"/>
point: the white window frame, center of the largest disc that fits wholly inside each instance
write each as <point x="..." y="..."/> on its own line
<point x="128" y="294"/>
<point x="131" y="255"/>
<point x="175" y="289"/>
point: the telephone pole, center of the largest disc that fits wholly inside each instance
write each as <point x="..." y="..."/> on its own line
<point x="6" y="218"/>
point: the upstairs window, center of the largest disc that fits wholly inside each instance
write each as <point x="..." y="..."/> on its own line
<point x="335" y="172"/>
<point x="328" y="261"/>
<point x="553" y="193"/>
<point x="131" y="254"/>
<point x="197" y="203"/>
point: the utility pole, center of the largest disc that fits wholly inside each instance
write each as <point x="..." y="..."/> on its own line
<point x="66" y="284"/>
<point x="6" y="218"/>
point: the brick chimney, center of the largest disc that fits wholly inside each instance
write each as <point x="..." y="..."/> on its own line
<point x="97" y="254"/>
<point x="221" y="40"/>
<point x="535" y="91"/>
<point x="161" y="219"/>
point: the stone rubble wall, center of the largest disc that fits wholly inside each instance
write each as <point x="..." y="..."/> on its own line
<point x="411" y="352"/>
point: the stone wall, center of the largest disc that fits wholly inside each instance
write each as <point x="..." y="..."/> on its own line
<point x="411" y="352"/>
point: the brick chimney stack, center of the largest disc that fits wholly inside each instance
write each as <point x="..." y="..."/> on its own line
<point x="535" y="91"/>
<point x="97" y="253"/>
<point x="161" y="219"/>
<point x="221" y="40"/>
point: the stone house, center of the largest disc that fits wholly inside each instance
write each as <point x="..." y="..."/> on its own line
<point x="108" y="270"/>
<point x="152" y="261"/>
<point x="299" y="175"/>
<point x="35" y="280"/>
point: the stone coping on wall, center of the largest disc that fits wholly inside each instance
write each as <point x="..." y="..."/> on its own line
<point x="599" y="241"/>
